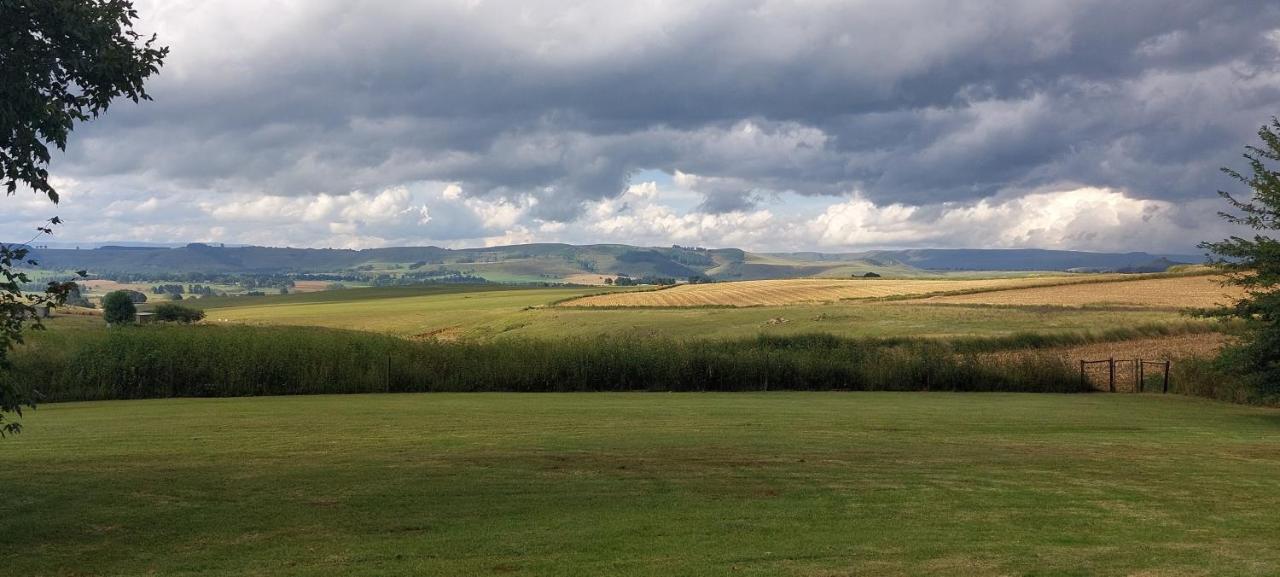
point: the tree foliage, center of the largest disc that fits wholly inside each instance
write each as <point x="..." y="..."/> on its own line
<point x="61" y="62"/>
<point x="19" y="310"/>
<point x="118" y="308"/>
<point x="176" y="313"/>
<point x="1254" y="263"/>
<point x="64" y="62"/>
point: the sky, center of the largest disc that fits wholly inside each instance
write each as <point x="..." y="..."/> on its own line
<point x="801" y="125"/>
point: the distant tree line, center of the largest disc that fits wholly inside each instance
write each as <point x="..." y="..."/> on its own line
<point x="430" y="277"/>
<point x="624" y="280"/>
<point x="176" y="291"/>
<point x="247" y="281"/>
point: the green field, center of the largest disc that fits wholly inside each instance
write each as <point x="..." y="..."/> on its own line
<point x="803" y="484"/>
<point x="484" y="312"/>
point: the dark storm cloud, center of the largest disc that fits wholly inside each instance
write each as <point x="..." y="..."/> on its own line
<point x="916" y="102"/>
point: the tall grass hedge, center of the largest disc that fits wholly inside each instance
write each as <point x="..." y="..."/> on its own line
<point x="208" y="360"/>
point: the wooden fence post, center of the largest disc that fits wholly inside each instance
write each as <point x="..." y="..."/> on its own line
<point x="1111" y="374"/>
<point x="1081" y="373"/>
<point x="1142" y="375"/>
<point x="1166" y="376"/>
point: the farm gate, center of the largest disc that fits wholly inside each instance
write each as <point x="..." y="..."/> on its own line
<point x="1126" y="375"/>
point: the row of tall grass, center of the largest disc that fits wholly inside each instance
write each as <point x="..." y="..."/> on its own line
<point x="212" y="360"/>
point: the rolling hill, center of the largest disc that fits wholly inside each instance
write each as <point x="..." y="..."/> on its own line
<point x="550" y="262"/>
<point x="937" y="259"/>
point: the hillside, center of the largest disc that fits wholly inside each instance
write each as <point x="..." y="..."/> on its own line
<point x="936" y="259"/>
<point x="563" y="262"/>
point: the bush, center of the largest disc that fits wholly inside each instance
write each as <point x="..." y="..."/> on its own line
<point x="1221" y="379"/>
<point x="118" y="309"/>
<point x="176" y="313"/>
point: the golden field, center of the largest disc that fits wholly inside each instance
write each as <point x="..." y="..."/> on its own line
<point x="1175" y="292"/>
<point x="804" y="291"/>
<point x="1169" y="292"/>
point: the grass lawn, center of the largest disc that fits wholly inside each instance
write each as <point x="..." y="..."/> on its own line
<point x="810" y="484"/>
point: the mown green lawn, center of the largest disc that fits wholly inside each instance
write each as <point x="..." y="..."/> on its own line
<point x="809" y="484"/>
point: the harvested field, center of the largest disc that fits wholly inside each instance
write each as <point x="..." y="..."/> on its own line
<point x="802" y="291"/>
<point x="588" y="279"/>
<point x="1172" y="292"/>
<point x="310" y="286"/>
<point x="102" y="286"/>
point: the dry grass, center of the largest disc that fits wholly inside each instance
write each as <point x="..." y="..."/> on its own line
<point x="1152" y="349"/>
<point x="802" y="291"/>
<point x="1172" y="292"/>
<point x="78" y="311"/>
<point x="1170" y="348"/>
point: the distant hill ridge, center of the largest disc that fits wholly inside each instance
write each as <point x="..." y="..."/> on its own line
<point x="1026" y="259"/>
<point x="555" y="261"/>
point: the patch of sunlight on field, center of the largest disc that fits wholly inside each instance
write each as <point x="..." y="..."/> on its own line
<point x="443" y="314"/>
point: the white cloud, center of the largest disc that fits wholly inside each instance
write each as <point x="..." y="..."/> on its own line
<point x="1082" y="218"/>
<point x="859" y="222"/>
<point x="781" y="124"/>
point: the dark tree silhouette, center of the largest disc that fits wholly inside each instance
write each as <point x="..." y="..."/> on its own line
<point x="61" y="62"/>
<point x="1254" y="263"/>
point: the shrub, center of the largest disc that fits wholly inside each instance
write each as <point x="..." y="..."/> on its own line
<point x="176" y="313"/>
<point x="117" y="308"/>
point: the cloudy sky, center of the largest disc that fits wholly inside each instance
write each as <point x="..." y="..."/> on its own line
<point x="1090" y="125"/>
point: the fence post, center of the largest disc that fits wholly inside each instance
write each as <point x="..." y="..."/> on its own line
<point x="1142" y="375"/>
<point x="1081" y="373"/>
<point x="1111" y="374"/>
<point x="1166" y="376"/>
